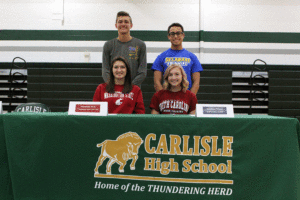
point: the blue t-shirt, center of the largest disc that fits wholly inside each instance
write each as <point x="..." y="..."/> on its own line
<point x="186" y="59"/>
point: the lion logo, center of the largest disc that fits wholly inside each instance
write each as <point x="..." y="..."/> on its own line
<point x="125" y="147"/>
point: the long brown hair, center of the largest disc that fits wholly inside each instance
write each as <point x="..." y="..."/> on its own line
<point x="110" y="88"/>
<point x="184" y="83"/>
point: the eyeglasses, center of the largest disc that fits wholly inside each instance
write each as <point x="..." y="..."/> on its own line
<point x="172" y="34"/>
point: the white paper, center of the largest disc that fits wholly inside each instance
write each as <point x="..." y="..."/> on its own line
<point x="214" y="110"/>
<point x="78" y="108"/>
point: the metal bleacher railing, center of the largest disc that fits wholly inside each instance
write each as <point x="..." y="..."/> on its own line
<point x="13" y="85"/>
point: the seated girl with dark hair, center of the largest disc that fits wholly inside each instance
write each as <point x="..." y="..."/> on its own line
<point x="174" y="98"/>
<point x="122" y="96"/>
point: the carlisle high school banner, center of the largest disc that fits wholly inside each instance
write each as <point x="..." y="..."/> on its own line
<point x="57" y="156"/>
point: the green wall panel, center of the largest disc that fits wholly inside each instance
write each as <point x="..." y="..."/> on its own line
<point x="191" y="36"/>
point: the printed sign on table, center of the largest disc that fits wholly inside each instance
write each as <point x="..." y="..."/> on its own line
<point x="214" y="110"/>
<point x="88" y="108"/>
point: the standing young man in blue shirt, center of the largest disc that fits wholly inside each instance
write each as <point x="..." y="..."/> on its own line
<point x="177" y="55"/>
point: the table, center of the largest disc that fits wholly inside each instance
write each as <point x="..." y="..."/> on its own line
<point x="55" y="156"/>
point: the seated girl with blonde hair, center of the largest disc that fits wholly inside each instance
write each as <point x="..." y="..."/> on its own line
<point x="174" y="98"/>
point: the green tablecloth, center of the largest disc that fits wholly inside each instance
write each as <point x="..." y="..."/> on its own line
<point x="54" y="156"/>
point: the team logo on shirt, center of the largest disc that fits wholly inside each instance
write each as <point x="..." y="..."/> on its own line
<point x="119" y="95"/>
<point x="173" y="106"/>
<point x="133" y="52"/>
<point x="119" y="102"/>
<point x="177" y="60"/>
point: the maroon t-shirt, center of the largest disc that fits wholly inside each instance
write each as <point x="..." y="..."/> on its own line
<point x="167" y="102"/>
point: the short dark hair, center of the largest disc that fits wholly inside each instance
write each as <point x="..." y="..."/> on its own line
<point x="110" y="88"/>
<point x="175" y="24"/>
<point x="123" y="13"/>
